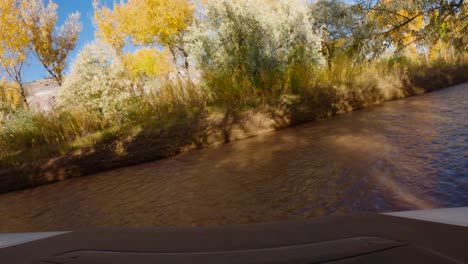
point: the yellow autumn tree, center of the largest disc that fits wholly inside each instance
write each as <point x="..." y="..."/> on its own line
<point x="50" y="44"/>
<point x="14" y="42"/>
<point x="440" y="50"/>
<point x="408" y="40"/>
<point x="108" y="27"/>
<point x="416" y="26"/>
<point x="148" y="63"/>
<point x="400" y="23"/>
<point x="157" y="23"/>
<point x="452" y="36"/>
<point x="10" y="97"/>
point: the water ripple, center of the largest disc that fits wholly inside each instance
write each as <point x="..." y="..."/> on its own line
<point x="406" y="154"/>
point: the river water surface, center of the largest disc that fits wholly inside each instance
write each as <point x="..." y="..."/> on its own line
<point x="406" y="154"/>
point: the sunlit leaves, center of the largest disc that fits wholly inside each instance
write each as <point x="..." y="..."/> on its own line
<point x="10" y="97"/>
<point x="28" y="25"/>
<point x="109" y="28"/>
<point x="406" y="24"/>
<point x="14" y="41"/>
<point x="50" y="44"/>
<point x="145" y="22"/>
<point x="148" y="63"/>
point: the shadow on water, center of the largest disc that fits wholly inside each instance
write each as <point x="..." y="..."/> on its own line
<point x="407" y="154"/>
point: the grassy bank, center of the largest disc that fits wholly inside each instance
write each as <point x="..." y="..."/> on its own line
<point x="39" y="148"/>
<point x="185" y="74"/>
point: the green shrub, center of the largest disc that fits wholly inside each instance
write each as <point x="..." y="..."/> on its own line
<point x="245" y="48"/>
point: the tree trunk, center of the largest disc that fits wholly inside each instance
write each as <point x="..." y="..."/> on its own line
<point x="174" y="58"/>
<point x="23" y="95"/>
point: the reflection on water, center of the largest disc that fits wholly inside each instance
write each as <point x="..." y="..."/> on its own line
<point x="407" y="154"/>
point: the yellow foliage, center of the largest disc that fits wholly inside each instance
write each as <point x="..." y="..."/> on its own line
<point x="399" y="26"/>
<point x="440" y="50"/>
<point x="108" y="28"/>
<point x="148" y="62"/>
<point x="50" y="44"/>
<point x="14" y="39"/>
<point x="145" y="22"/>
<point x="10" y="97"/>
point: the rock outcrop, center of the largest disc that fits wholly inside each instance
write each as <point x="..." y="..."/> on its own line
<point x="42" y="94"/>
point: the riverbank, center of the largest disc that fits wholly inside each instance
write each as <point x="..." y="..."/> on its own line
<point x="148" y="142"/>
<point x="402" y="155"/>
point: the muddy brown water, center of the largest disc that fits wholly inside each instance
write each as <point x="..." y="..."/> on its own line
<point x="406" y="154"/>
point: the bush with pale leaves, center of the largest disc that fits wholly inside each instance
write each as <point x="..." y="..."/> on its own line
<point x="96" y="83"/>
<point x="253" y="41"/>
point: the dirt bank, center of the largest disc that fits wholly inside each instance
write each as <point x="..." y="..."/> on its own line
<point x="402" y="155"/>
<point x="194" y="133"/>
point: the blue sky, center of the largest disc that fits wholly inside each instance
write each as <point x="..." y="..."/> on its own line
<point x="34" y="70"/>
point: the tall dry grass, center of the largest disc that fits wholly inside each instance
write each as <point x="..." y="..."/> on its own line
<point x="303" y="93"/>
<point x="28" y="135"/>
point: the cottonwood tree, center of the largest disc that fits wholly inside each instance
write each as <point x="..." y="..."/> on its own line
<point x="109" y="28"/>
<point x="50" y="44"/>
<point x="405" y="23"/>
<point x="157" y="23"/>
<point x="10" y="98"/>
<point x="147" y="63"/>
<point x="14" y="42"/>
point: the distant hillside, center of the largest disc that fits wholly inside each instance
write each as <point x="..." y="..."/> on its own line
<point x="42" y="94"/>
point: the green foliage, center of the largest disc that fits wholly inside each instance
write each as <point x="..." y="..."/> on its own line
<point x="246" y="47"/>
<point x="344" y="30"/>
<point x="29" y="135"/>
<point x="246" y="55"/>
